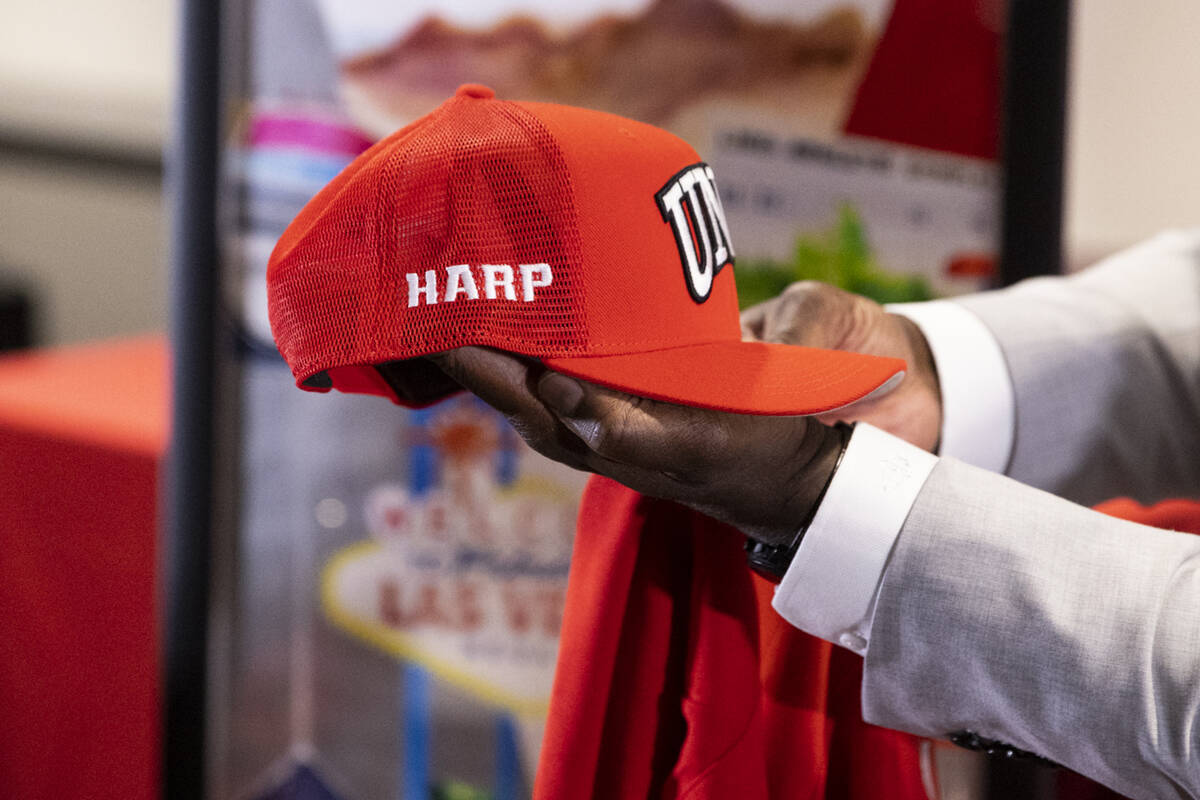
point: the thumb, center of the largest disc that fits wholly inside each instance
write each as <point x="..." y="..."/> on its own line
<point x="810" y="314"/>
<point x="635" y="430"/>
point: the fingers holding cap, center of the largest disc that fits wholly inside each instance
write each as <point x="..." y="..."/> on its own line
<point x="506" y="383"/>
<point x="810" y="314"/>
<point x="500" y="379"/>
<point x="753" y="319"/>
<point x="679" y="441"/>
<point x="657" y="448"/>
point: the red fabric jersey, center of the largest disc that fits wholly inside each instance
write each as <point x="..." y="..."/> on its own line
<point x="676" y="678"/>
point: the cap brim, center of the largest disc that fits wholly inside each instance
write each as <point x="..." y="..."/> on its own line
<point x="741" y="377"/>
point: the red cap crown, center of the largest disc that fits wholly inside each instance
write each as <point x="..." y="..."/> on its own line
<point x="531" y="227"/>
<point x="592" y="242"/>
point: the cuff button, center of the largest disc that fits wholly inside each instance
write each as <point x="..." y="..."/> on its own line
<point x="852" y="641"/>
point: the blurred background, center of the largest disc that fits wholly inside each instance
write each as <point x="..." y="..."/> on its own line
<point x="85" y="99"/>
<point x="309" y="669"/>
<point x="86" y="92"/>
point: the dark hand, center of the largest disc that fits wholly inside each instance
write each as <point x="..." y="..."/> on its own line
<point x="817" y="315"/>
<point x="760" y="474"/>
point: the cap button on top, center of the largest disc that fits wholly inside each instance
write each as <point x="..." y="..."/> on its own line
<point x="476" y="90"/>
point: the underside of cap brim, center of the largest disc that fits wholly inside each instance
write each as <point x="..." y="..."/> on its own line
<point x="740" y="377"/>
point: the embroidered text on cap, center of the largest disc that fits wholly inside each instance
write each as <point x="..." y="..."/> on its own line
<point x="497" y="280"/>
<point x="689" y="201"/>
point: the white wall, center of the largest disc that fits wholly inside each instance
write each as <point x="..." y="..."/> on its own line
<point x="1134" y="123"/>
<point x="89" y="242"/>
<point x="100" y="72"/>
<point x="89" y="239"/>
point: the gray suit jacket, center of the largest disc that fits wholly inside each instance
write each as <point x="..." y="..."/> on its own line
<point x="1019" y="615"/>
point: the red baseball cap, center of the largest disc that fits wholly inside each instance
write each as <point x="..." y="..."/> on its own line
<point x="591" y="242"/>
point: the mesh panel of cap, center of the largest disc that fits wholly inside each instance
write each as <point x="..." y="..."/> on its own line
<point x="484" y="185"/>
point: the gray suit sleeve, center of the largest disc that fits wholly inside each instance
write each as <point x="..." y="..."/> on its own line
<point x="1021" y="616"/>
<point x="1025" y="618"/>
<point x="1106" y="373"/>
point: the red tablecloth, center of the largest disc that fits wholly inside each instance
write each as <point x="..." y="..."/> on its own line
<point x="82" y="432"/>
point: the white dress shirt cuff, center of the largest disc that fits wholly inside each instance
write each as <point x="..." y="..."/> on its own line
<point x="829" y="589"/>
<point x="978" y="410"/>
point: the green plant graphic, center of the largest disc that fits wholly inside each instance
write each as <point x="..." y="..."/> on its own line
<point x="458" y="790"/>
<point x="839" y="256"/>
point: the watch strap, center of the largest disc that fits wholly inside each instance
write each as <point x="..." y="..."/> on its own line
<point x="772" y="560"/>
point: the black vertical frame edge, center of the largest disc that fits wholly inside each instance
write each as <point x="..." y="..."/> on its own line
<point x="1033" y="138"/>
<point x="1033" y="147"/>
<point x="191" y="183"/>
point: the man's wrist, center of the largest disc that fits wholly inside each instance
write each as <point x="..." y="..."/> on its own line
<point x="829" y="590"/>
<point x="771" y="559"/>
